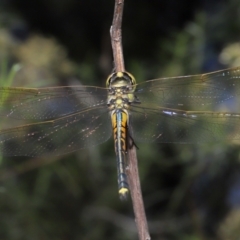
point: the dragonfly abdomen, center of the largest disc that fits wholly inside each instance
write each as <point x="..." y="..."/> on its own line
<point x="120" y="124"/>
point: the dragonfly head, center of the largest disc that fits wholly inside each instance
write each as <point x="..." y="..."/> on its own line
<point x="120" y="79"/>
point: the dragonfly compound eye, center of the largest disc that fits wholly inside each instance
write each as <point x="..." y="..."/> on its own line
<point x="118" y="79"/>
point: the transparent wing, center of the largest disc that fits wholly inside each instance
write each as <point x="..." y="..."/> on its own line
<point x="49" y="103"/>
<point x="187" y="109"/>
<point x="176" y="126"/>
<point x="207" y="92"/>
<point x="56" y="137"/>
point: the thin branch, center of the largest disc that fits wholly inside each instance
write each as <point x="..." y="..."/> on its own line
<point x="116" y="36"/>
<point x="136" y="194"/>
<point x="132" y="169"/>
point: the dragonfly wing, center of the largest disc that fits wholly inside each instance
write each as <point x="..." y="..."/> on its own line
<point x="176" y="126"/>
<point x="49" y="103"/>
<point x="188" y="109"/>
<point x="216" y="91"/>
<point x="67" y="134"/>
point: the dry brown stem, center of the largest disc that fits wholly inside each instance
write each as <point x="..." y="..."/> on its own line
<point x="132" y="169"/>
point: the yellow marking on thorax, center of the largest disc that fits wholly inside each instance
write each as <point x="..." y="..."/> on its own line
<point x="119" y="103"/>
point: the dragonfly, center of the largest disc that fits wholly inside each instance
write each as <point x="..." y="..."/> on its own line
<point x="186" y="109"/>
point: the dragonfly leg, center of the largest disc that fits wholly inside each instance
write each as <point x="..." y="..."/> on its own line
<point x="131" y="142"/>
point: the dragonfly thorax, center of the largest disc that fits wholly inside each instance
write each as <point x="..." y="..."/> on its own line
<point x="118" y="98"/>
<point x="121" y="90"/>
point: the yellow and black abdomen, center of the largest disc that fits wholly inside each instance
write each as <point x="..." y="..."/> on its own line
<point x="120" y="133"/>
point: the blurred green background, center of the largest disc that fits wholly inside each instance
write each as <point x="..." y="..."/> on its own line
<point x="190" y="192"/>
